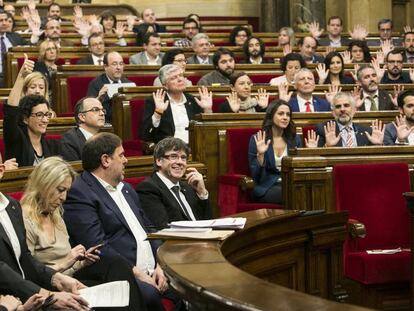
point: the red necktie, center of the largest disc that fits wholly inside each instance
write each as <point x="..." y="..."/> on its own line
<point x="308" y="108"/>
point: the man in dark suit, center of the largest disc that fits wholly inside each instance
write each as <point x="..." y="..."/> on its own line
<point x="114" y="69"/>
<point x="372" y="99"/>
<point x="307" y="48"/>
<point x="148" y="16"/>
<point x="201" y="48"/>
<point x="90" y="118"/>
<point x="343" y="132"/>
<point x="334" y="29"/>
<point x="401" y="131"/>
<point x="52" y="32"/>
<point x="165" y="197"/>
<point x="100" y="208"/>
<point x="304" y="101"/>
<point x="23" y="276"/>
<point x="96" y="46"/>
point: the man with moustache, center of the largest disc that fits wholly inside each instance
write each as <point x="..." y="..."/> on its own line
<point x="372" y="99"/>
<point x="90" y="118"/>
<point x="401" y="131"/>
<point x="223" y="60"/>
<point x="343" y="132"/>
<point x="394" y="73"/>
<point x="254" y="50"/>
<point x="165" y="196"/>
<point x="408" y="44"/>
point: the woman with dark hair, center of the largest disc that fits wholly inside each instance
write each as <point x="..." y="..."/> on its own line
<point x="141" y="30"/>
<point x="331" y="71"/>
<point x="240" y="99"/>
<point x="359" y="51"/>
<point x="176" y="57"/>
<point x="290" y="65"/>
<point x="196" y="17"/>
<point x="108" y="21"/>
<point x="268" y="147"/>
<point x="239" y="35"/>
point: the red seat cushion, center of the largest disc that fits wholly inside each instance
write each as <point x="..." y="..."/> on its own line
<point x="137" y="114"/>
<point x="134" y="181"/>
<point x="237" y="147"/>
<point x="16" y="195"/>
<point x="77" y="88"/>
<point x="143" y="80"/>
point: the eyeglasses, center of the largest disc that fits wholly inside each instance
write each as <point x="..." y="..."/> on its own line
<point x="95" y="110"/>
<point x="41" y="115"/>
<point x="97" y="44"/>
<point x="180" y="60"/>
<point x="175" y="157"/>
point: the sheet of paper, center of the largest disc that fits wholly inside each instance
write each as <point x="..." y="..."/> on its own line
<point x="113" y="87"/>
<point x="228" y="223"/>
<point x="384" y="251"/>
<point x="185" y="235"/>
<point x="112" y="294"/>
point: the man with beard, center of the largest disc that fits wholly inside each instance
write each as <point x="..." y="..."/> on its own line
<point x="409" y="47"/>
<point x="173" y="192"/>
<point x="52" y="32"/>
<point x="223" y="60"/>
<point x="401" y="131"/>
<point x="372" y="99"/>
<point x="254" y="50"/>
<point x="343" y="132"/>
<point x="190" y="29"/>
<point x="394" y="73"/>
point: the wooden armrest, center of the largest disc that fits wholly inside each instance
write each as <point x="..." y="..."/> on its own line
<point x="356" y="229"/>
<point x="246" y="183"/>
<point x="148" y="147"/>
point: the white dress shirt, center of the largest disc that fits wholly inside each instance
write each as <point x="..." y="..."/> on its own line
<point x="96" y="60"/>
<point x="145" y="257"/>
<point x="151" y="61"/>
<point x="8" y="45"/>
<point x="8" y="227"/>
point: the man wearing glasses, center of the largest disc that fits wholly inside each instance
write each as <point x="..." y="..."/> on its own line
<point x="90" y="118"/>
<point x="190" y="29"/>
<point x="385" y="33"/>
<point x="394" y="73"/>
<point x="96" y="46"/>
<point x="174" y="191"/>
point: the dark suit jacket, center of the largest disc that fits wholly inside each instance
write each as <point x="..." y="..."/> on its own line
<point x="162" y="207"/>
<point x="194" y="60"/>
<point x="362" y="139"/>
<point x="36" y="274"/>
<point x="93" y="90"/>
<point x="319" y="104"/>
<point x="384" y="102"/>
<point x="17" y="143"/>
<point x="85" y="61"/>
<point x="267" y="175"/>
<point x="41" y="67"/>
<point x="16" y="39"/>
<point x="166" y="127"/>
<point x="72" y="144"/>
<point x="92" y="217"/>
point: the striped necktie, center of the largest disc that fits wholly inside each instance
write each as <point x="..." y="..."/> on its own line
<point x="349" y="139"/>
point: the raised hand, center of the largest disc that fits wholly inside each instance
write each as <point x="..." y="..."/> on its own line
<point x="93" y="20"/>
<point x="262" y="98"/>
<point x="234" y="102"/>
<point x="314" y="30"/>
<point x="403" y="130"/>
<point x="331" y="139"/>
<point x="160" y="104"/>
<point x="131" y="19"/>
<point x="284" y="93"/>
<point x="27" y="66"/>
<point x="359" y="32"/>
<point x="119" y="30"/>
<point x="83" y="27"/>
<point x="195" y="180"/>
<point x="346" y="55"/>
<point x="25" y="13"/>
<point x="34" y="27"/>
<point x="332" y="91"/>
<point x="356" y="94"/>
<point x="354" y="73"/>
<point x="77" y="12"/>
<point x="397" y="90"/>
<point x="287" y="49"/>
<point x="380" y="57"/>
<point x="206" y="99"/>
<point x="407" y="28"/>
<point x="378" y="130"/>
<point x="378" y="70"/>
<point x="312" y="140"/>
<point x="261" y="144"/>
<point x="322" y="73"/>
<point x="386" y="47"/>
<point x="31" y="5"/>
<point x="411" y="71"/>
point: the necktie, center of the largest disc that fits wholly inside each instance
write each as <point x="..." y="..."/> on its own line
<point x="308" y="108"/>
<point x="349" y="140"/>
<point x="373" y="104"/>
<point x="176" y="190"/>
<point x="2" y="46"/>
<point x="100" y="62"/>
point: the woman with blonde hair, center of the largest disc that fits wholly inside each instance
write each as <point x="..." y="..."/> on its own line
<point x="286" y="37"/>
<point x="46" y="62"/>
<point x="47" y="237"/>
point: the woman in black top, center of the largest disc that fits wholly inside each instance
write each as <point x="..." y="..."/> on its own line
<point x="46" y="64"/>
<point x="331" y="71"/>
<point x="241" y="99"/>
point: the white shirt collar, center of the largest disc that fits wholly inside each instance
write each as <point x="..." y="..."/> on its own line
<point x="365" y="95"/>
<point x="107" y="186"/>
<point x="255" y="61"/>
<point x="85" y="133"/>
<point x="150" y="59"/>
<point x="4" y="202"/>
<point x="96" y="59"/>
<point x="166" y="181"/>
<point x="202" y="60"/>
<point x="181" y="102"/>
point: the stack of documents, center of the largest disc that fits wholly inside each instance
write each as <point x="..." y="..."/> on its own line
<point x="190" y="233"/>
<point x="220" y="223"/>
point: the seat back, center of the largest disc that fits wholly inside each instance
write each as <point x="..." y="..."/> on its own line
<point x="237" y="148"/>
<point x="77" y="88"/>
<point x="372" y="193"/>
<point x="137" y="113"/>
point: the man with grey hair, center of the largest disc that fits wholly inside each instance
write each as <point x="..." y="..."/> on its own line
<point x="168" y="111"/>
<point x="201" y="48"/>
<point x="343" y="132"/>
<point x="385" y="27"/>
<point x="90" y="118"/>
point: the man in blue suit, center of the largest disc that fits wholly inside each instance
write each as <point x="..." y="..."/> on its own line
<point x="304" y="101"/>
<point x="101" y="209"/>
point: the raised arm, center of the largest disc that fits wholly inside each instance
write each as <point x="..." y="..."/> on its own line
<point x="14" y="96"/>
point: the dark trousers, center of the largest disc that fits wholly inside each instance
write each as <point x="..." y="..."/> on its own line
<point x="272" y="195"/>
<point x="109" y="269"/>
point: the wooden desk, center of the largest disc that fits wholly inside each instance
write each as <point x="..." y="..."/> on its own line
<point x="269" y="265"/>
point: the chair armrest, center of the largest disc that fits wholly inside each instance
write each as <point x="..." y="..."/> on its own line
<point x="356" y="229"/>
<point x="246" y="183"/>
<point x="243" y="181"/>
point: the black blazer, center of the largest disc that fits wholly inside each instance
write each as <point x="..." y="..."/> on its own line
<point x="72" y="144"/>
<point x="362" y="139"/>
<point x="384" y="102"/>
<point x="161" y="206"/>
<point x="85" y="61"/>
<point x="166" y="127"/>
<point x="37" y="275"/>
<point x="17" y="143"/>
<point x="16" y="39"/>
<point x="41" y="67"/>
<point x="93" y="90"/>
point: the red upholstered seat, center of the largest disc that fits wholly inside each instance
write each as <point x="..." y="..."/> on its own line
<point x="261" y="78"/>
<point x="231" y="197"/>
<point x="133" y="146"/>
<point x="143" y="80"/>
<point x="77" y="88"/>
<point x="134" y="181"/>
<point x="194" y="78"/>
<point x="372" y="193"/>
<point x="16" y="195"/>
